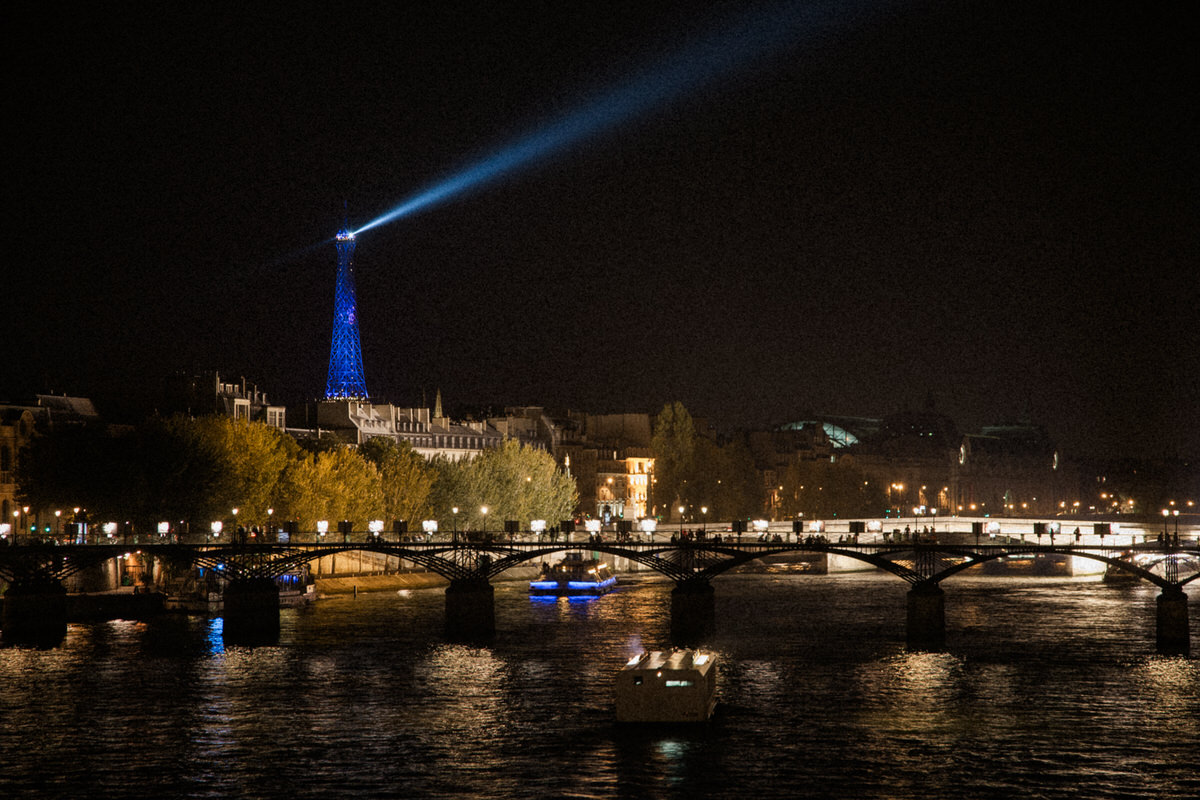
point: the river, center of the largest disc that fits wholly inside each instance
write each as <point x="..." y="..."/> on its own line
<point x="1048" y="688"/>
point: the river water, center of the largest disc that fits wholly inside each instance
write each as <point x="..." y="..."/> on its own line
<point x="1048" y="688"/>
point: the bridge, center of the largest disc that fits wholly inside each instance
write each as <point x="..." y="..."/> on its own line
<point x="35" y="602"/>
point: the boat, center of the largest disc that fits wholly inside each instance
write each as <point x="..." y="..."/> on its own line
<point x="1122" y="577"/>
<point x="667" y="686"/>
<point x="574" y="576"/>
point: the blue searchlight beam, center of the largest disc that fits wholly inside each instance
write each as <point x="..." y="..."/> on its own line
<point x="735" y="44"/>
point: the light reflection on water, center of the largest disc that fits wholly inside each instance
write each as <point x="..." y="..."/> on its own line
<point x="1047" y="688"/>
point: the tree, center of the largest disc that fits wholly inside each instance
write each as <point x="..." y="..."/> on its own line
<point x="182" y="470"/>
<point x="406" y="478"/>
<point x="92" y="468"/>
<point x="332" y="485"/>
<point x="821" y="489"/>
<point x="724" y="480"/>
<point x="514" y="482"/>
<point x="253" y="457"/>
<point x="674" y="447"/>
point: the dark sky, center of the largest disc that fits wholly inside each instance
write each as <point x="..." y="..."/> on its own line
<point x="991" y="202"/>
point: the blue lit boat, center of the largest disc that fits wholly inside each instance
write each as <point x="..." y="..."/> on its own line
<point x="573" y="576"/>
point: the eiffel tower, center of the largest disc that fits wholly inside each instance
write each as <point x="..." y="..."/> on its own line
<point x="346" y="380"/>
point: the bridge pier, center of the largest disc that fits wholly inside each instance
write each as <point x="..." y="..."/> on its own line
<point x="470" y="609"/>
<point x="926" y="617"/>
<point x="692" y="612"/>
<point x="35" y="612"/>
<point x="251" y="612"/>
<point x="1171" y="626"/>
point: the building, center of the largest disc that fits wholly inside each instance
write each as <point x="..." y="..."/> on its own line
<point x="927" y="466"/>
<point x="208" y="393"/>
<point x="354" y="421"/>
<point x="609" y="457"/>
<point x="1010" y="468"/>
<point x="19" y="423"/>
<point x="775" y="451"/>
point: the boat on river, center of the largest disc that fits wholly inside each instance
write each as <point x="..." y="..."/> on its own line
<point x="574" y="576"/>
<point x="667" y="686"/>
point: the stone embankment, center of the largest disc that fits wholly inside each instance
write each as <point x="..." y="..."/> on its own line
<point x="350" y="584"/>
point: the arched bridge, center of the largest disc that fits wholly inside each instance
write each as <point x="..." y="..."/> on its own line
<point x="36" y="570"/>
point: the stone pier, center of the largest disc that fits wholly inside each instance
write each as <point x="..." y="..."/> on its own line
<point x="692" y="612"/>
<point x="251" y="612"/>
<point x="470" y="610"/>
<point x="926" y="617"/>
<point x="1171" y="626"/>
<point x="35" y="612"/>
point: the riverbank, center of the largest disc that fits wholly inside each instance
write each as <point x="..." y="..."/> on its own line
<point x="126" y="604"/>
<point x="396" y="581"/>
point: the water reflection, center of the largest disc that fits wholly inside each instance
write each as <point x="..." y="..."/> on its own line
<point x="364" y="698"/>
<point x="216" y="635"/>
<point x="466" y="687"/>
<point x="917" y="696"/>
<point x="1171" y="687"/>
<point x="932" y="675"/>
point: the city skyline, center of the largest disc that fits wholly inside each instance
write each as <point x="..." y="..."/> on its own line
<point x="993" y="205"/>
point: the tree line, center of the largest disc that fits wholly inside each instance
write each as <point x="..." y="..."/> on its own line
<point x="180" y="469"/>
<point x="697" y="472"/>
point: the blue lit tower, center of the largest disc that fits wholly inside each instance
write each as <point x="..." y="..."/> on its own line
<point x="345" y="354"/>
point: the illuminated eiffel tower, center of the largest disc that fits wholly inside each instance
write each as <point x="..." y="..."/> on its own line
<point x="346" y="380"/>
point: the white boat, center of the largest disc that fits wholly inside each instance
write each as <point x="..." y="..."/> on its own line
<point x="667" y="686"/>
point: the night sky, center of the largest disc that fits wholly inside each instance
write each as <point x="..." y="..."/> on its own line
<point x="993" y="204"/>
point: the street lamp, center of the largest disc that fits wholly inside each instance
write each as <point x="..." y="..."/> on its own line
<point x="681" y="522"/>
<point x="454" y="511"/>
<point x="483" y="510"/>
<point x="703" y="520"/>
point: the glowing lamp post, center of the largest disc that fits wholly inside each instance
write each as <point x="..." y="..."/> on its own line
<point x="648" y="526"/>
<point x="681" y="522"/>
<point x="483" y="510"/>
<point x="454" y="518"/>
<point x="703" y="520"/>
